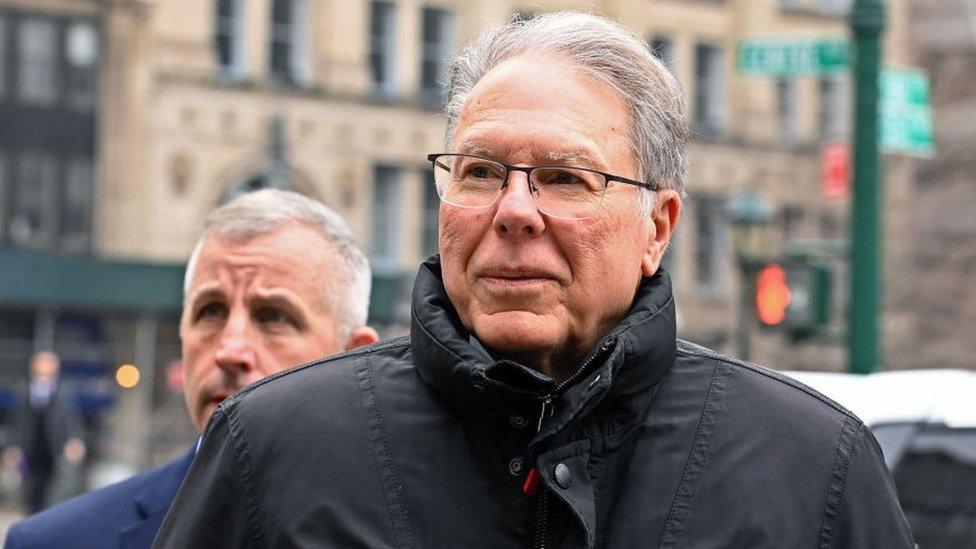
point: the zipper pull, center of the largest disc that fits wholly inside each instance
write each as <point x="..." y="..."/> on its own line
<point x="546" y="404"/>
<point x="533" y="479"/>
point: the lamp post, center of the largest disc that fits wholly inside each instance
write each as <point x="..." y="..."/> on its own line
<point x="750" y="217"/>
<point x="867" y="25"/>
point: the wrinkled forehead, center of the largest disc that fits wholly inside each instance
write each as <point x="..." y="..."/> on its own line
<point x="262" y="264"/>
<point x="571" y="118"/>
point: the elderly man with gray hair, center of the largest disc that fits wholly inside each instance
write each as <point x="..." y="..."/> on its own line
<point x="275" y="280"/>
<point x="542" y="398"/>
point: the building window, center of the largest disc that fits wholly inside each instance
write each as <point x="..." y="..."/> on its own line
<point x="33" y="213"/>
<point x="382" y="46"/>
<point x="385" y="246"/>
<point x="287" y="59"/>
<point x="3" y="56"/>
<point x="788" y="110"/>
<point x="823" y="7"/>
<point x="81" y="54"/>
<point x="830" y="226"/>
<point x="663" y="48"/>
<point x="37" y="83"/>
<point x="430" y="213"/>
<point x="229" y="37"/>
<point x="834" y="7"/>
<point x="792" y="218"/>
<point x="438" y="40"/>
<point x="4" y="194"/>
<point x="76" y="205"/>
<point x="709" y="106"/>
<point x="833" y="107"/>
<point x="710" y="246"/>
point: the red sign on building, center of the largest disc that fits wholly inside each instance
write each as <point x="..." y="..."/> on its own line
<point x="835" y="168"/>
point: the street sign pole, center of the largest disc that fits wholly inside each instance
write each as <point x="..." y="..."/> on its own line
<point x="867" y="25"/>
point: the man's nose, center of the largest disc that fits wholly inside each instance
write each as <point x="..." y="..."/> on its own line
<point x="235" y="350"/>
<point x="517" y="213"/>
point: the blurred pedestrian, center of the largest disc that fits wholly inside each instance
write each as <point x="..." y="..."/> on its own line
<point x="274" y="281"/>
<point x="543" y="398"/>
<point x="49" y="429"/>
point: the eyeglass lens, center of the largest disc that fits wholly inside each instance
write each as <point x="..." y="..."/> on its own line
<point x="472" y="182"/>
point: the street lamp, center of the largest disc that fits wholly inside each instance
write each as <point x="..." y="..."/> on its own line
<point x="750" y="217"/>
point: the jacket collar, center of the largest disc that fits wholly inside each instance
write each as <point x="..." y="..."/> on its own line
<point x="626" y="365"/>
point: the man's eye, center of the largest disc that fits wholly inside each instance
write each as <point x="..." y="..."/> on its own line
<point x="564" y="178"/>
<point x="480" y="171"/>
<point x="272" y="316"/>
<point x="211" y="311"/>
<point x="557" y="177"/>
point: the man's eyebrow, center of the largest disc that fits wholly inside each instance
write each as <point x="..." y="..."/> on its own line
<point x="282" y="300"/>
<point x="582" y="158"/>
<point x="578" y="157"/>
<point x="477" y="150"/>
<point x="286" y="297"/>
<point x="205" y="293"/>
<point x="279" y="299"/>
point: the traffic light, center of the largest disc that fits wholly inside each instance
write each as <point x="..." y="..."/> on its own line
<point x="793" y="296"/>
<point x="772" y="295"/>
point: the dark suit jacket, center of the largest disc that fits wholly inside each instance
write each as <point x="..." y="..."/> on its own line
<point x="125" y="515"/>
<point x="63" y="421"/>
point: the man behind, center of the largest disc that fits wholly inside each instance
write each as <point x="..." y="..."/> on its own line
<point x="274" y="281"/>
<point x="542" y="397"/>
<point x="49" y="429"/>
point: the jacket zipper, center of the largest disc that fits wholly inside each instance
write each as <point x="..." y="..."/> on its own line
<point x="547" y="399"/>
<point x="586" y="364"/>
<point x="542" y="505"/>
<point x="542" y="520"/>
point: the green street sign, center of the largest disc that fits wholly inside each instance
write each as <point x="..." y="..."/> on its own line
<point x="905" y="112"/>
<point x="772" y="57"/>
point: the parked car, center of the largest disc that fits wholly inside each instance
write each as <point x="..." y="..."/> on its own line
<point x="925" y="422"/>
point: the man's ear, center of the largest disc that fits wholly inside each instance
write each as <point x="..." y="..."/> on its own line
<point x="664" y="218"/>
<point x="361" y="336"/>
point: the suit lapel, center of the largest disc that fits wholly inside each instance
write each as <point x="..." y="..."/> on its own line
<point x="152" y="502"/>
<point x="140" y="534"/>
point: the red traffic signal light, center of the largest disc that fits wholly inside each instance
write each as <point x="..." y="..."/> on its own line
<point x="772" y="294"/>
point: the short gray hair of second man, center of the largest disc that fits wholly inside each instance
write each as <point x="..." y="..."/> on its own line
<point x="261" y="212"/>
<point x="608" y="51"/>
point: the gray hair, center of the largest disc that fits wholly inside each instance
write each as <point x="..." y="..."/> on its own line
<point x="261" y="212"/>
<point x="608" y="51"/>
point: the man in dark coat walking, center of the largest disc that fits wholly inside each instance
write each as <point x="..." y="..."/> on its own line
<point x="49" y="429"/>
<point x="542" y="397"/>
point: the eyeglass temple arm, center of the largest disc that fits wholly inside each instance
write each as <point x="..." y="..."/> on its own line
<point x="649" y="186"/>
<point x="434" y="158"/>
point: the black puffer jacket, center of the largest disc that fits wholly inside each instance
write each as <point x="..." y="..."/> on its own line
<point x="426" y="442"/>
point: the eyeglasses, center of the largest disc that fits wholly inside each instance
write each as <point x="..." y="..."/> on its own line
<point x="566" y="192"/>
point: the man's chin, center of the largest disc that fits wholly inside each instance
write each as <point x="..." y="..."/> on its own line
<point x="518" y="332"/>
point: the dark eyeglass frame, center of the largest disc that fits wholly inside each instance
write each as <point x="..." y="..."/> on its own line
<point x="527" y="170"/>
